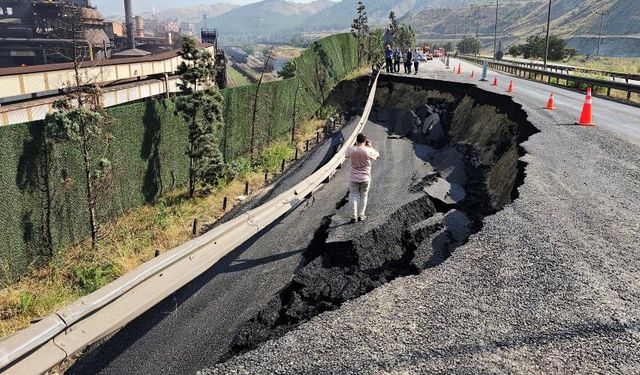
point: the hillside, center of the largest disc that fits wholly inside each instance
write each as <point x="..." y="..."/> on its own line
<point x="433" y="20"/>
<point x="576" y="20"/>
<point x="264" y="19"/>
<point x="116" y="8"/>
<point x="192" y="14"/>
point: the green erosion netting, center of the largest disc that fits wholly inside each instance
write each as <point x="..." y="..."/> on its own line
<point x="147" y="152"/>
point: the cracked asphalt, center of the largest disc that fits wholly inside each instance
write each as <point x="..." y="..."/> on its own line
<point x="550" y="285"/>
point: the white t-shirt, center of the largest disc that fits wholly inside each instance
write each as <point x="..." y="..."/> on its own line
<point x="361" y="157"/>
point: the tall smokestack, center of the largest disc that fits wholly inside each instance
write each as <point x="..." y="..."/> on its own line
<point x="128" y="15"/>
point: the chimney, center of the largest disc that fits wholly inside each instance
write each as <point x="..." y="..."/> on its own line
<point x="128" y="14"/>
<point x="139" y="27"/>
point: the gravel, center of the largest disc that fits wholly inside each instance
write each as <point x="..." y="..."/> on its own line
<point x="550" y="285"/>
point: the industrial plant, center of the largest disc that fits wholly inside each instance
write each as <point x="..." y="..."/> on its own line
<point x="36" y="32"/>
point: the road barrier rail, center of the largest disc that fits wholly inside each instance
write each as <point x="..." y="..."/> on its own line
<point x="567" y="68"/>
<point x="38" y="348"/>
<point x="533" y="73"/>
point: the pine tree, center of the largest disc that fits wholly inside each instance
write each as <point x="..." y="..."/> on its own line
<point x="78" y="118"/>
<point x="201" y="106"/>
<point x="393" y="23"/>
<point x="405" y="37"/>
<point x="360" y="29"/>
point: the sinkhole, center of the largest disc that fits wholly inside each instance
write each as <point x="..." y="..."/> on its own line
<point x="471" y="141"/>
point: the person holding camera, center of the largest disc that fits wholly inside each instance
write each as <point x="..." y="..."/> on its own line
<point x="360" y="155"/>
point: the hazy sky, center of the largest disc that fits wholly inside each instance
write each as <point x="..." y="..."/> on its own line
<point x="108" y="7"/>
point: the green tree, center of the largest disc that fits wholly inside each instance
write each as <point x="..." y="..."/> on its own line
<point x="469" y="45"/>
<point x="393" y="23"/>
<point x="360" y="28"/>
<point x="201" y="106"/>
<point x="288" y="70"/>
<point x="557" y="48"/>
<point x="78" y="118"/>
<point x="374" y="50"/>
<point x="83" y="126"/>
<point x="405" y="37"/>
<point x="514" y="50"/>
<point x="534" y="47"/>
<point x="448" y="47"/>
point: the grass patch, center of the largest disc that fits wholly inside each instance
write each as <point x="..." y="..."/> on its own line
<point x="612" y="64"/>
<point x="235" y="78"/>
<point x="357" y="73"/>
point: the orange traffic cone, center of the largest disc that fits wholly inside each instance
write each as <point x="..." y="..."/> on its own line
<point x="473" y="73"/>
<point x="586" y="118"/>
<point x="459" y="69"/>
<point x="495" y="81"/>
<point x="511" y="89"/>
<point x="550" y="103"/>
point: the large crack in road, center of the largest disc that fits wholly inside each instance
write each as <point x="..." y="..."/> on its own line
<point x="472" y="152"/>
<point x="449" y="158"/>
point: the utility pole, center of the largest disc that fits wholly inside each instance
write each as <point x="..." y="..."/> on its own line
<point x="602" y="14"/>
<point x="477" y="22"/>
<point x="478" y="27"/>
<point x="466" y="20"/>
<point x="495" y="31"/>
<point x="546" y="48"/>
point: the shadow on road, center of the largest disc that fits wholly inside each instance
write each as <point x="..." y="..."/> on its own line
<point x="100" y="357"/>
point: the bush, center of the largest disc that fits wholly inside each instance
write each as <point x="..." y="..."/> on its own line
<point x="514" y="50"/>
<point x="469" y="45"/>
<point x="22" y="305"/>
<point x="92" y="278"/>
<point x="535" y="47"/>
<point x="271" y="158"/>
<point x="239" y="168"/>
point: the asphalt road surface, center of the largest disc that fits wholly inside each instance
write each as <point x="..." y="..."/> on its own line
<point x="551" y="285"/>
<point x="193" y="328"/>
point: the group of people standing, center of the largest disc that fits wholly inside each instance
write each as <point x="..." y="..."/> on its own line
<point x="394" y="57"/>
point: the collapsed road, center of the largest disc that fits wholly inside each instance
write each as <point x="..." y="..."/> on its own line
<point x="550" y="284"/>
<point x="432" y="189"/>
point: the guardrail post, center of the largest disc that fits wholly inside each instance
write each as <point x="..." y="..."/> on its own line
<point x="224" y="204"/>
<point x="296" y="153"/>
<point x="266" y="175"/>
<point x="282" y="165"/>
<point x="306" y="146"/>
<point x="246" y="188"/>
<point x="157" y="254"/>
<point x="194" y="228"/>
<point x="317" y="137"/>
<point x="628" y="95"/>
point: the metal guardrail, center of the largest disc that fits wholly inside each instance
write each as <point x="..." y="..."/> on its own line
<point x="533" y="73"/>
<point x="568" y="68"/>
<point x="50" y="341"/>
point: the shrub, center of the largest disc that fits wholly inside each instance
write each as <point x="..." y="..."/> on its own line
<point x="271" y="158"/>
<point x="92" y="278"/>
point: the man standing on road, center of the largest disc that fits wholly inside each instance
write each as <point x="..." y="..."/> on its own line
<point x="388" y="54"/>
<point x="416" y="60"/>
<point x="361" y="156"/>
<point x="397" y="56"/>
<point x="408" y="57"/>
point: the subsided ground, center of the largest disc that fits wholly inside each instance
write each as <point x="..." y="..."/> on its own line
<point x="549" y="285"/>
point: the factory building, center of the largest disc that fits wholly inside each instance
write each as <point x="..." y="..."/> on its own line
<point x="36" y="32"/>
